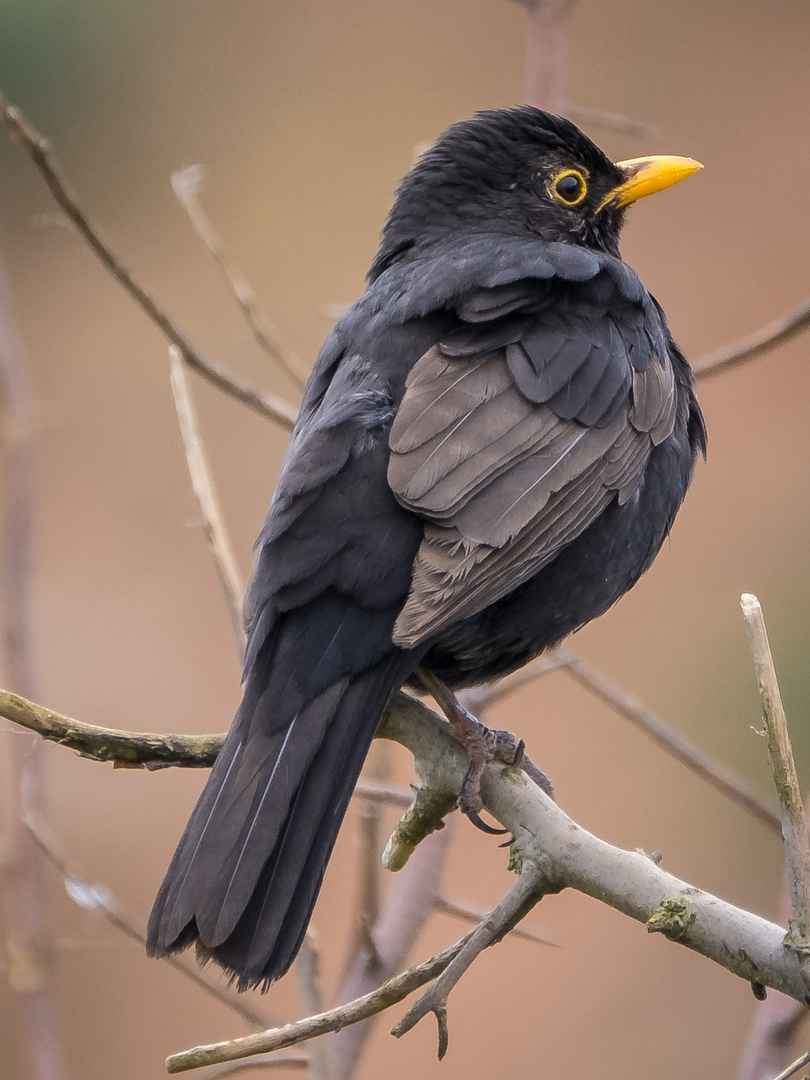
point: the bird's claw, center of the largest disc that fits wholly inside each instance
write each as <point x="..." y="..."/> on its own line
<point x="479" y="823"/>
<point x="484" y="745"/>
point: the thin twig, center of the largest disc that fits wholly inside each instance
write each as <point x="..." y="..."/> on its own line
<point x="515" y="905"/>
<point x="188" y="184"/>
<point x="610" y="121"/>
<point x="544" y="76"/>
<point x="663" y="734"/>
<point x="470" y="914"/>
<point x="377" y="791"/>
<point x="368" y="909"/>
<point x="29" y="949"/>
<point x="125" y="749"/>
<point x="361" y="946"/>
<point x="715" y="774"/>
<point x="203" y="485"/>
<point x="776" y="1023"/>
<point x="753" y="345"/>
<point x="480" y="699"/>
<point x="310" y="1027"/>
<point x="791" y="1070"/>
<point x="99" y="898"/>
<point x="38" y="149"/>
<point x="308" y="969"/>
<point x="411" y="899"/>
<point x="785" y="777"/>
<point x="280" y="1061"/>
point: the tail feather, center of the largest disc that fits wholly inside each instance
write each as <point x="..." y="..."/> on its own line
<point x="246" y="874"/>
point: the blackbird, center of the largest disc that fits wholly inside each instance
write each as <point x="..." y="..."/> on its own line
<point x="491" y="449"/>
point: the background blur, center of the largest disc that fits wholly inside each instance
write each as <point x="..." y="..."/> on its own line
<point x="306" y="114"/>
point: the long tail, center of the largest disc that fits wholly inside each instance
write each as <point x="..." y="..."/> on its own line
<point x="247" y="871"/>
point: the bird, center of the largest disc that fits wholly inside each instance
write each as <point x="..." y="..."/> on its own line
<point x="491" y="449"/>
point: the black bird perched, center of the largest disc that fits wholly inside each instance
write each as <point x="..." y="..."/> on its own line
<point x="491" y="450"/>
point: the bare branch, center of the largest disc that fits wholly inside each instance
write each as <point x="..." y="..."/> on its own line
<point x="517" y="903"/>
<point x="664" y="735"/>
<point x="24" y="905"/>
<point x="382" y="998"/>
<point x="129" y="749"/>
<point x="554" y="852"/>
<point x="610" y="121"/>
<point x="750" y="947"/>
<point x="38" y="149"/>
<point x="470" y="914"/>
<point x="776" y="1023"/>
<point x="378" y="791"/>
<point x="713" y="772"/>
<point x="99" y="898"/>
<point x="361" y="947"/>
<point x="188" y="184"/>
<point x="278" y="1061"/>
<point x="629" y="881"/>
<point x="785" y="777"/>
<point x="791" y="1070"/>
<point x="411" y="898"/>
<point x="125" y="749"/>
<point x="368" y="910"/>
<point x="544" y="75"/>
<point x="308" y="968"/>
<point x="203" y="485"/>
<point x="776" y="333"/>
<point x="479" y="699"/>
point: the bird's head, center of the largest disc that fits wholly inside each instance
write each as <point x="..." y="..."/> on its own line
<point x="519" y="172"/>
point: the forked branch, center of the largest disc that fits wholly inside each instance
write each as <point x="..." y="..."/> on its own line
<point x="551" y="852"/>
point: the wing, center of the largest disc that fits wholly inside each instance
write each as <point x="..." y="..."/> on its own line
<point x="512" y="438"/>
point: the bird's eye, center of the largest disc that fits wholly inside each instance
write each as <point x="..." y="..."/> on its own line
<point x="568" y="188"/>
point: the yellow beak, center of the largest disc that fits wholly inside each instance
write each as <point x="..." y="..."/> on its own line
<point x="645" y="176"/>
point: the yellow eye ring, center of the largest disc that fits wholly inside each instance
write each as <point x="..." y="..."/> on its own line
<point x="568" y="187"/>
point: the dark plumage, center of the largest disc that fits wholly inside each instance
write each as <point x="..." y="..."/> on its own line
<point x="491" y="450"/>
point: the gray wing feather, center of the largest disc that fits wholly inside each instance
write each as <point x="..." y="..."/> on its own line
<point x="503" y="483"/>
<point x="654" y="400"/>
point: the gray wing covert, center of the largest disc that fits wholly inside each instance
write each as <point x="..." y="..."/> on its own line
<point x="510" y="453"/>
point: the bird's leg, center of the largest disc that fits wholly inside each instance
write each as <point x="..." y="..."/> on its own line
<point x="482" y="744"/>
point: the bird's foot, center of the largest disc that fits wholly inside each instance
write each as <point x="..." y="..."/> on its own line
<point x="483" y="745"/>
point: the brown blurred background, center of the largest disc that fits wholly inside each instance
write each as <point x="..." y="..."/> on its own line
<point x="306" y="114"/>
